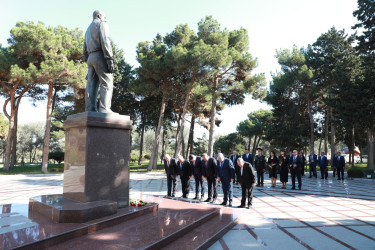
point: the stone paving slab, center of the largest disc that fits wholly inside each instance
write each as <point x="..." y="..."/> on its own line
<point x="324" y="214"/>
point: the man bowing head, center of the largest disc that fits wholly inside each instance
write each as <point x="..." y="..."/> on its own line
<point x="247" y="182"/>
<point x="226" y="177"/>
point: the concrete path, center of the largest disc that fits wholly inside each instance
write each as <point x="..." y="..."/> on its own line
<point x="325" y="214"/>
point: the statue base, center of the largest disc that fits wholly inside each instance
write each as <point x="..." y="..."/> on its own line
<point x="96" y="169"/>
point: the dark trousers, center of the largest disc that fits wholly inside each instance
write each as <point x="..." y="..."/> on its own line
<point x="238" y="174"/>
<point x="212" y="188"/>
<point x="324" y="172"/>
<point x="313" y="170"/>
<point x="296" y="172"/>
<point x="247" y="193"/>
<point x="199" y="181"/>
<point x="260" y="175"/>
<point x="185" y="183"/>
<point x="303" y="170"/>
<point x="171" y="185"/>
<point x="228" y="191"/>
<point x="340" y="171"/>
<point x="334" y="171"/>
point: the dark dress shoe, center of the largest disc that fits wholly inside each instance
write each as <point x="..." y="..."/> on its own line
<point x="172" y="195"/>
<point x="248" y="206"/>
<point x="230" y="204"/>
<point x="258" y="185"/>
<point x="242" y="206"/>
<point x="293" y="188"/>
<point x="338" y="179"/>
<point x="208" y="200"/>
<point x="299" y="188"/>
<point x="195" y="198"/>
<point x="223" y="203"/>
<point x="213" y="201"/>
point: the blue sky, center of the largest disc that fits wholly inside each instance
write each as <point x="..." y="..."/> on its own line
<point x="271" y="24"/>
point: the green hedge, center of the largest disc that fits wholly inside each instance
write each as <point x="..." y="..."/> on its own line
<point x="359" y="172"/>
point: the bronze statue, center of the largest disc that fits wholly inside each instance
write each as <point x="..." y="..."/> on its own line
<point x="97" y="51"/>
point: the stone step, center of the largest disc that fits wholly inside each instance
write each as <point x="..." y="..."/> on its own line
<point x="173" y="220"/>
<point x="205" y="235"/>
<point x="46" y="233"/>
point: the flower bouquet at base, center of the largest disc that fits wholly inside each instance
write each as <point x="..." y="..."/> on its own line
<point x="137" y="203"/>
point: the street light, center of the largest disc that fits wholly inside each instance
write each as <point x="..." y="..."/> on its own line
<point x="305" y="142"/>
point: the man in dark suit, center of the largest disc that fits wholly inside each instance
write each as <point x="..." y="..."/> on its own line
<point x="226" y="176"/>
<point x="295" y="170"/>
<point x="260" y="165"/>
<point x="313" y="159"/>
<point x="340" y="166"/>
<point x="248" y="157"/>
<point x="184" y="171"/>
<point x="210" y="173"/>
<point x="323" y="164"/>
<point x="171" y="171"/>
<point x="234" y="158"/>
<point x="247" y="182"/>
<point x="197" y="172"/>
<point x="334" y="164"/>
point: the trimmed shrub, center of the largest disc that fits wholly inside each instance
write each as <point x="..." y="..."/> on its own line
<point x="355" y="173"/>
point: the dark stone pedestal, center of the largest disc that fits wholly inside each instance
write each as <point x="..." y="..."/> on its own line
<point x="63" y="210"/>
<point x="96" y="170"/>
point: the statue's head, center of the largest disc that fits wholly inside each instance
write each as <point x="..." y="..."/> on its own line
<point x="99" y="14"/>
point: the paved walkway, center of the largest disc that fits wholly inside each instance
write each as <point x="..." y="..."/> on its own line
<point x="325" y="214"/>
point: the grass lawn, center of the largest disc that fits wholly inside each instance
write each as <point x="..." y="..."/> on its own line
<point x="59" y="168"/>
<point x="33" y="169"/>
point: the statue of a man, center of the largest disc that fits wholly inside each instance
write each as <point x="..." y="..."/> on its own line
<point x="97" y="51"/>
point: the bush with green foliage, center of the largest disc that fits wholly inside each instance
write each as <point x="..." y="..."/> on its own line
<point x="57" y="156"/>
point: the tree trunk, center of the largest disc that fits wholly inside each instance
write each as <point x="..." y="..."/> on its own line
<point x="177" y="131"/>
<point x="191" y="136"/>
<point x="249" y="144"/>
<point x="9" y="142"/>
<point x="260" y="136"/>
<point x="212" y="117"/>
<point x="353" y="145"/>
<point x="254" y="144"/>
<point x="333" y="132"/>
<point x="326" y="131"/>
<point x="371" y="149"/>
<point x="311" y="123"/>
<point x="163" y="146"/>
<point x="184" y="112"/>
<point x="141" y="146"/>
<point x="320" y="144"/>
<point x="48" y="128"/>
<point x="154" y="154"/>
<point x="11" y="117"/>
<point x="13" y="161"/>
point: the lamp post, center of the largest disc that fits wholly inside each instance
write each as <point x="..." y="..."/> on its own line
<point x="305" y="142"/>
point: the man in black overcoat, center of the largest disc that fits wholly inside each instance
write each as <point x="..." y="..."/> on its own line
<point x="197" y="172"/>
<point x="184" y="171"/>
<point x="172" y="172"/>
<point x="247" y="182"/>
<point x="210" y="173"/>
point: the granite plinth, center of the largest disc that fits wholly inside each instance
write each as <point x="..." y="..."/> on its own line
<point x="63" y="210"/>
<point x="97" y="154"/>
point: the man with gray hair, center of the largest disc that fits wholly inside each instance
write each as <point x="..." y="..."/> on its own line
<point x="247" y="182"/>
<point x="184" y="171"/>
<point x="170" y="167"/>
<point x="226" y="177"/>
<point x="210" y="173"/>
<point x="97" y="53"/>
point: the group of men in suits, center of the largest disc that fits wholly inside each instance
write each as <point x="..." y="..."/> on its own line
<point x="338" y="164"/>
<point x="214" y="171"/>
